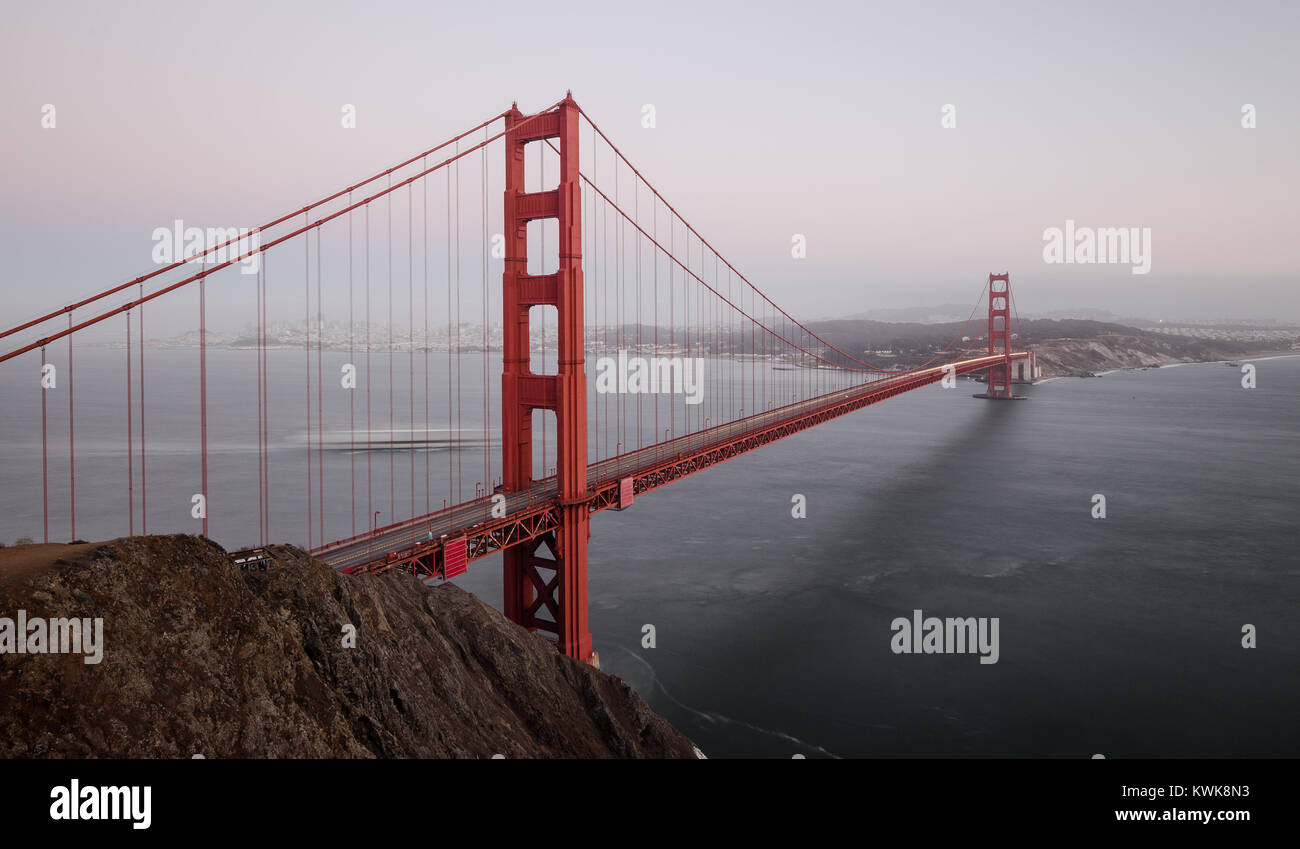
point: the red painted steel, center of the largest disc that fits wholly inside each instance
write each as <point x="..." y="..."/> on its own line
<point x="536" y="515"/>
<point x="144" y="486"/>
<point x="72" y="432"/>
<point x="999" y="385"/>
<point x="45" y="456"/>
<point x="262" y="249"/>
<point x="544" y="532"/>
<point x="526" y="592"/>
<point x="454" y="561"/>
<point x="203" y="398"/>
<point x="130" y="442"/>
<point x="224" y="245"/>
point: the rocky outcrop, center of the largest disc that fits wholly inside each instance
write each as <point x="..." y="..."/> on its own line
<point x="200" y="657"/>
<point x="1086" y="357"/>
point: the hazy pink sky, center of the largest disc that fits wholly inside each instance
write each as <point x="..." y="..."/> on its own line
<point x="772" y="119"/>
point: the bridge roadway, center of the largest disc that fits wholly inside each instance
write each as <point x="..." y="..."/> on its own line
<point x="528" y="513"/>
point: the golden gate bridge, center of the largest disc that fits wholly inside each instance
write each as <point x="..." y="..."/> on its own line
<point x="601" y="250"/>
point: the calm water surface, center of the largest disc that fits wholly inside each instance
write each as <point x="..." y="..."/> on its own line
<point x="1119" y="636"/>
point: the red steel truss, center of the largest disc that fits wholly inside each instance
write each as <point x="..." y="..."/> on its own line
<point x="541" y="515"/>
<point x="564" y="593"/>
<point x="1000" y="335"/>
<point x="541" y="526"/>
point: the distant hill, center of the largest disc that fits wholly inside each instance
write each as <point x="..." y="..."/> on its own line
<point x="1107" y="344"/>
<point x="947" y="313"/>
<point x="1088" y="314"/>
<point x="916" y="315"/>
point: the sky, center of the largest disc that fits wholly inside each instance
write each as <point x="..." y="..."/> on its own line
<point x="824" y="120"/>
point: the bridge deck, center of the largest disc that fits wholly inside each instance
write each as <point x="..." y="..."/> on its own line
<point x="531" y="512"/>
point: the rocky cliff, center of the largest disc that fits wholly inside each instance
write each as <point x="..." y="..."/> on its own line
<point x="1083" y="357"/>
<point x="200" y="657"/>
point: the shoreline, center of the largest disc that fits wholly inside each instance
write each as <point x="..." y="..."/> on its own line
<point x="1260" y="356"/>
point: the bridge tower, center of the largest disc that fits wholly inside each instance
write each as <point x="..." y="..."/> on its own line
<point x="547" y="575"/>
<point x="999" y="334"/>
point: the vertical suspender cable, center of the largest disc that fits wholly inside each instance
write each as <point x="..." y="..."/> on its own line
<point x="410" y="334"/>
<point x="460" y="460"/>
<point x="451" y="495"/>
<point x="266" y="409"/>
<point x="593" y="305"/>
<point x="203" y="396"/>
<point x="130" y="440"/>
<point x="320" y="391"/>
<point x="45" y="478"/>
<point x="618" y="313"/>
<point x="72" y="446"/>
<point x="604" y="248"/>
<point x="370" y="432"/>
<point x="424" y="227"/>
<point x="392" y="456"/>
<point x="144" y="485"/>
<point x="487" y="451"/>
<point x="261" y="468"/>
<point x="306" y="292"/>
<point x="636" y="312"/>
<point x="352" y="395"/>
<point x="592" y="302"/>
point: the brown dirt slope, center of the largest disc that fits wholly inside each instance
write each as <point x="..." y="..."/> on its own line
<point x="202" y="658"/>
<point x="1062" y="357"/>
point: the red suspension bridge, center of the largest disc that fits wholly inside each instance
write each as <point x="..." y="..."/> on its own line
<point x="694" y="365"/>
